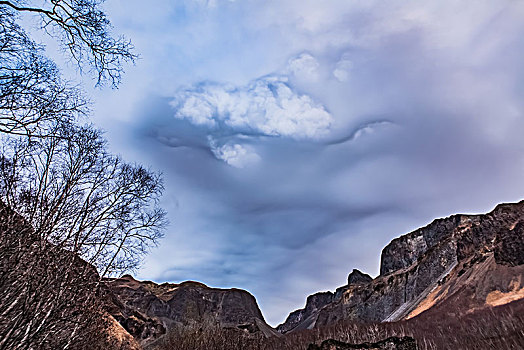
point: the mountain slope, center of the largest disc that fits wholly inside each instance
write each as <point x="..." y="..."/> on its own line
<point x="49" y="297"/>
<point x="460" y="263"/>
<point x="148" y="310"/>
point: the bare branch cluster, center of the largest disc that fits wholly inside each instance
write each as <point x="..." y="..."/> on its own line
<point x="33" y="97"/>
<point x="83" y="199"/>
<point x="85" y="34"/>
<point x="48" y="297"/>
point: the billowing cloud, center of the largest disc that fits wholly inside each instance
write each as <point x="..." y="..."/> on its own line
<point x="354" y="122"/>
<point x="304" y="66"/>
<point x="234" y="154"/>
<point x="268" y="106"/>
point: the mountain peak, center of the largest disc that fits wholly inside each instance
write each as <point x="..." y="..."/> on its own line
<point x="357" y="277"/>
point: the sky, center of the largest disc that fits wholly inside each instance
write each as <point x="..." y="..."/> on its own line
<point x="298" y="137"/>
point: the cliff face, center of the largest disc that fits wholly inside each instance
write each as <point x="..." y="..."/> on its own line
<point x="468" y="261"/>
<point x="148" y="310"/>
<point x="305" y="318"/>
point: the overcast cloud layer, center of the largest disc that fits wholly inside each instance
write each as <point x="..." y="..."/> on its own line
<point x="297" y="138"/>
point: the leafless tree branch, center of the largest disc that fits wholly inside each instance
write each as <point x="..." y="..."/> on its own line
<point x="85" y="33"/>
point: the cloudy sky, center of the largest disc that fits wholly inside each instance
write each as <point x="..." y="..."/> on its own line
<point x="298" y="137"/>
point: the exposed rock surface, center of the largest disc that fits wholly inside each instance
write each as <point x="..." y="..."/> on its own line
<point x="392" y="343"/>
<point x="136" y="323"/>
<point x="147" y="310"/>
<point x="305" y="318"/>
<point x="358" y="277"/>
<point x="470" y="261"/>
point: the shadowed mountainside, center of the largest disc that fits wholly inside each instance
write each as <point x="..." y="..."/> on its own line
<point x="147" y="310"/>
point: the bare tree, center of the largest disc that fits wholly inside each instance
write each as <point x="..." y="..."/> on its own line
<point x="84" y="32"/>
<point x="67" y="209"/>
<point x="70" y="211"/>
<point x="62" y="179"/>
<point x="33" y="97"/>
<point x="81" y="198"/>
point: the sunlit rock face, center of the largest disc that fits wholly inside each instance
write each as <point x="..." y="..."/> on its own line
<point x="460" y="263"/>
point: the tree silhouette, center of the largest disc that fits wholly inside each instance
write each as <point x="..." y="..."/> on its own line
<point x="84" y="32"/>
<point x="70" y="211"/>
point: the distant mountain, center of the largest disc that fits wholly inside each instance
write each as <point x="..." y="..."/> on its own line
<point x="458" y="265"/>
<point x="459" y="281"/>
<point x="148" y="310"/>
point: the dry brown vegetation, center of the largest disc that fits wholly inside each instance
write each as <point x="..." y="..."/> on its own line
<point x="500" y="328"/>
<point x="47" y="296"/>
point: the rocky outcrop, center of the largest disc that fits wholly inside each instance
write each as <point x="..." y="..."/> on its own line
<point x="305" y="318"/>
<point x="140" y="326"/>
<point x="509" y="246"/>
<point x="148" y="310"/>
<point x="358" y="277"/>
<point x="470" y="261"/>
<point x="392" y="343"/>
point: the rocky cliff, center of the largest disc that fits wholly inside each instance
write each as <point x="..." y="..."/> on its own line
<point x="306" y="318"/>
<point x="148" y="310"/>
<point x="461" y="263"/>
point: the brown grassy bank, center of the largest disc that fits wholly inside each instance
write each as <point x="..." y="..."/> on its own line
<point x="498" y="328"/>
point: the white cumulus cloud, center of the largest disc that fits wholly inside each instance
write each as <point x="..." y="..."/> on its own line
<point x="268" y="106"/>
<point x="236" y="155"/>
